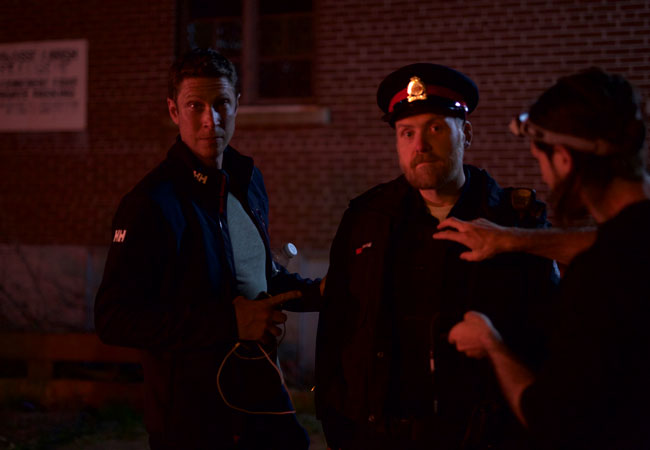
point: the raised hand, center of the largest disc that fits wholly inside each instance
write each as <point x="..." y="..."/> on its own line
<point x="483" y="238"/>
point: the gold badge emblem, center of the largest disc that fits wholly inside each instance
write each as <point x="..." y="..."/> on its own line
<point x="416" y="90"/>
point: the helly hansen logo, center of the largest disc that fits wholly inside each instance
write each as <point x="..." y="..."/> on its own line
<point x="200" y="177"/>
<point x="119" y="235"/>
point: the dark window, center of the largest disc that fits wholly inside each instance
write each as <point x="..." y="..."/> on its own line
<point x="269" y="41"/>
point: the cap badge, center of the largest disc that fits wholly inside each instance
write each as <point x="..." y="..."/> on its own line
<point x="416" y="90"/>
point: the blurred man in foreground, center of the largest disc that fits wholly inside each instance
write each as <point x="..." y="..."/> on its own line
<point x="587" y="134"/>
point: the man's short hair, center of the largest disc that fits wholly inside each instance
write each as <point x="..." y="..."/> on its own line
<point x="200" y="62"/>
<point x="593" y="104"/>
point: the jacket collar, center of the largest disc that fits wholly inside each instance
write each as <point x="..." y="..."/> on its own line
<point x="236" y="171"/>
<point x="479" y="194"/>
<point x="386" y="198"/>
<point x="239" y="169"/>
<point x="469" y="202"/>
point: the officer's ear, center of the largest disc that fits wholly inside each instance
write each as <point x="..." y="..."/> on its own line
<point x="173" y="110"/>
<point x="468" y="132"/>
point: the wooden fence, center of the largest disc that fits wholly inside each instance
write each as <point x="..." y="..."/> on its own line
<point x="68" y="369"/>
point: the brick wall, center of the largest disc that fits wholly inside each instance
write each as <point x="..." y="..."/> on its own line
<point x="62" y="188"/>
<point x="512" y="49"/>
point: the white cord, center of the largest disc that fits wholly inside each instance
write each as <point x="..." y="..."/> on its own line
<point x="277" y="369"/>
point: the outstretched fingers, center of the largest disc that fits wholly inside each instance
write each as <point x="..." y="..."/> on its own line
<point x="453" y="229"/>
<point x="452" y="222"/>
<point x="482" y="237"/>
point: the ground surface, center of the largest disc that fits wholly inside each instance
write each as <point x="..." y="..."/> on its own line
<point x="26" y="426"/>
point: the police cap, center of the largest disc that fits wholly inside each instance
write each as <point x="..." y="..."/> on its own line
<point x="426" y="87"/>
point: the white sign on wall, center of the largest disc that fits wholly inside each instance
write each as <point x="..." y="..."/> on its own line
<point x="43" y="86"/>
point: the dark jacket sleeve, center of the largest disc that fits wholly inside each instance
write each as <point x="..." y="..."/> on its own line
<point x="138" y="303"/>
<point x="283" y="281"/>
<point x="332" y="326"/>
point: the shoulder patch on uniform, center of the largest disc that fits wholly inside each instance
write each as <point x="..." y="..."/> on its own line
<point x="119" y="236"/>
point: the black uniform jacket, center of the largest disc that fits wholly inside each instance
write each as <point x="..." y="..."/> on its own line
<point x="359" y="375"/>
<point x="169" y="283"/>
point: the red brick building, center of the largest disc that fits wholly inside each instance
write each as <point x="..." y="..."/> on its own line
<point x="316" y="152"/>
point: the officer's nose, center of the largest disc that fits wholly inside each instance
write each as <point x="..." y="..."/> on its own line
<point x="421" y="144"/>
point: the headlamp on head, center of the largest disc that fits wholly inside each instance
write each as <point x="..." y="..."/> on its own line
<point x="521" y="125"/>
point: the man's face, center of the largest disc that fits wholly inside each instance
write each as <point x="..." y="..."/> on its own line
<point x="430" y="149"/>
<point x="205" y="111"/>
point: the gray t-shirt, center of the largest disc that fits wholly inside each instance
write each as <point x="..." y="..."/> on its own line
<point x="248" y="250"/>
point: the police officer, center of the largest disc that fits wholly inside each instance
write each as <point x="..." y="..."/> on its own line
<point x="386" y="376"/>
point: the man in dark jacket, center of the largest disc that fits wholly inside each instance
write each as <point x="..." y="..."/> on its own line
<point x="587" y="133"/>
<point x="386" y="376"/>
<point x="190" y="252"/>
